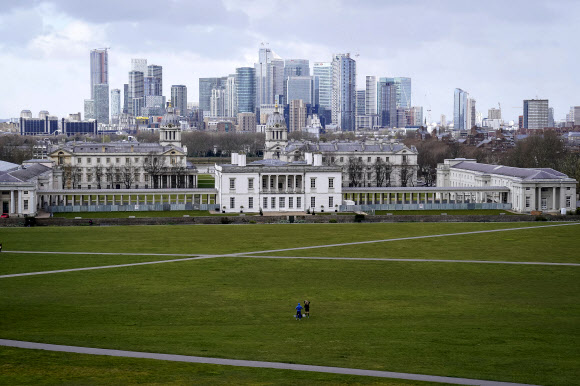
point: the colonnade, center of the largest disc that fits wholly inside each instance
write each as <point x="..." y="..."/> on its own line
<point x="282" y="183"/>
<point x="422" y="196"/>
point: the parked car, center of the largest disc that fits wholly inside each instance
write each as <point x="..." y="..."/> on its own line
<point x="4" y="215"/>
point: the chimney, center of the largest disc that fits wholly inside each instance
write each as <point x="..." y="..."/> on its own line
<point x="132" y="149"/>
<point x="234" y="158"/>
<point x="103" y="148"/>
<point x="308" y="158"/>
<point x="241" y="160"/>
<point x="317" y="160"/>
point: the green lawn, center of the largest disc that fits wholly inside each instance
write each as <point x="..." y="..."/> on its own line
<point x="455" y="212"/>
<point x="508" y="323"/>
<point x="205" y="181"/>
<point x="513" y="323"/>
<point x="172" y="213"/>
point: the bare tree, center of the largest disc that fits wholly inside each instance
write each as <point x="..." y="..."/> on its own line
<point x="110" y="173"/>
<point x="154" y="165"/>
<point x="406" y="173"/>
<point x="99" y="173"/>
<point x="127" y="172"/>
<point x="355" y="170"/>
<point x="383" y="172"/>
<point x="71" y="176"/>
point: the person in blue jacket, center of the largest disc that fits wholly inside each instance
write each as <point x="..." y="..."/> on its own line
<point x="298" y="312"/>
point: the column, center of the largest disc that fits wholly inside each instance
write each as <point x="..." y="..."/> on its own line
<point x="19" y="202"/>
<point x="554" y="203"/>
<point x="11" y="201"/>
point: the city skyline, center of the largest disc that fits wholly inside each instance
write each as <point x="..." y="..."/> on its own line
<point x="499" y="52"/>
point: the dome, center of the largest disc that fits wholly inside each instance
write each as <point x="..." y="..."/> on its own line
<point x="170" y="118"/>
<point x="276" y="120"/>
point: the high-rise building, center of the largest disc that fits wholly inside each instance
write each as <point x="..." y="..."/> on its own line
<point x="269" y="77"/>
<point x="471" y="114"/>
<point x="460" y="109"/>
<point x="217" y="105"/>
<point x="99" y="67"/>
<point x="205" y="87"/>
<point x="155" y="72"/>
<point x="387" y="102"/>
<point x="230" y="97"/>
<point x="126" y="98"/>
<point x="300" y="87"/>
<point x="360" y="102"/>
<point x="536" y="114"/>
<point x="294" y="67"/>
<point x="278" y="80"/>
<point x="344" y="91"/>
<point x="115" y="103"/>
<point x="576" y="116"/>
<point x="403" y="89"/>
<point x="136" y="91"/>
<point x="493" y="113"/>
<point x="90" y="109"/>
<point x="551" y="117"/>
<point x="179" y="99"/>
<point x="99" y="61"/>
<point x="246" y="89"/>
<point x="416" y="116"/>
<point x="371" y="95"/>
<point x="247" y="122"/>
<point x="139" y="65"/>
<point x="297" y="113"/>
<point x="443" y="120"/>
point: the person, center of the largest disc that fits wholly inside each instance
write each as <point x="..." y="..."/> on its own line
<point x="298" y="312"/>
<point x="90" y="222"/>
<point x="307" y="308"/>
<point x="0" y="247"/>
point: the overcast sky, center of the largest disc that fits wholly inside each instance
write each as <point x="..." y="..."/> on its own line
<point x="497" y="50"/>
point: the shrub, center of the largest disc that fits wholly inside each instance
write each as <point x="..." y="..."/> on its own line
<point x="359" y="217"/>
<point x="541" y="218"/>
<point x="225" y="220"/>
<point x="252" y="222"/>
<point x="332" y="221"/>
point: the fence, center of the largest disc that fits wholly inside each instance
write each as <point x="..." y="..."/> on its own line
<point x="130" y="208"/>
<point x="469" y="206"/>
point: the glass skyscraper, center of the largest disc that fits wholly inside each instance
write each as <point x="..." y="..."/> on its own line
<point x="300" y="88"/>
<point x="115" y="103"/>
<point x="323" y="79"/>
<point x="344" y="91"/>
<point x="205" y="87"/>
<point x="179" y="98"/>
<point x="246" y="89"/>
<point x="387" y="102"/>
<point x="460" y="106"/>
<point x="99" y="61"/>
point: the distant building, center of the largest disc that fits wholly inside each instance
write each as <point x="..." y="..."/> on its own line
<point x="246" y="122"/>
<point x="323" y="85"/>
<point x="39" y="126"/>
<point x="370" y="96"/>
<point x="115" y="104"/>
<point x="536" y="114"/>
<point x="493" y="113"/>
<point x="344" y="91"/>
<point x="73" y="127"/>
<point x="246" y="89"/>
<point x="230" y="97"/>
<point x="205" y="87"/>
<point x="387" y="102"/>
<point x="217" y="102"/>
<point x="300" y="87"/>
<point x="89" y="109"/>
<point x="179" y="99"/>
<point x="576" y="117"/>
<point x="136" y="92"/>
<point x="297" y="115"/>
<point x="460" y="110"/>
<point x="360" y="102"/>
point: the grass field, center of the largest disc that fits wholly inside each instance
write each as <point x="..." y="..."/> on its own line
<point x="172" y="213"/>
<point x="516" y="323"/>
<point x="205" y="181"/>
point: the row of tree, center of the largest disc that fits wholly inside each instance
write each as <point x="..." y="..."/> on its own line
<point x="381" y="173"/>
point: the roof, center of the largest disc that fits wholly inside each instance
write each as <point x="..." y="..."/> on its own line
<point x="7" y="166"/>
<point x="346" y="147"/>
<point x="114" y="147"/>
<point x="523" y="173"/>
<point x="23" y="174"/>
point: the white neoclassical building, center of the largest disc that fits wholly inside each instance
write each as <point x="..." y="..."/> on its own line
<point x="278" y="186"/>
<point x="528" y="189"/>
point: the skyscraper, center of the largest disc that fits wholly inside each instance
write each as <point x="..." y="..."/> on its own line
<point x="217" y="105"/>
<point x="323" y="78"/>
<point x="387" y="102"/>
<point x="115" y="103"/>
<point x="299" y="87"/>
<point x="344" y="91"/>
<point x="126" y="98"/>
<point x="230" y="97"/>
<point x="205" y="87"/>
<point x="297" y="112"/>
<point x="136" y="93"/>
<point x="99" y="61"/>
<point x="460" y="109"/>
<point x="179" y="99"/>
<point x="139" y="65"/>
<point x="536" y="114"/>
<point x="360" y="102"/>
<point x="155" y="72"/>
<point x="246" y="89"/>
<point x="471" y="114"/>
<point x="493" y="113"/>
<point x="294" y="67"/>
<point x="371" y="95"/>
<point x="269" y="77"/>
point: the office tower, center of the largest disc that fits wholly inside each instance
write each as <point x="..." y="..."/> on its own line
<point x="300" y="87"/>
<point x="155" y="85"/>
<point x="297" y="115"/>
<point x="136" y="91"/>
<point x="403" y="117"/>
<point x="322" y="72"/>
<point x="576" y="116"/>
<point x="101" y="100"/>
<point x="99" y="68"/>
<point x="179" y="99"/>
<point x="360" y="102"/>
<point x="205" y="87"/>
<point x="294" y="67"/>
<point x="443" y="120"/>
<point x="493" y="113"/>
<point x="521" y="122"/>
<point x="217" y="105"/>
<point x="551" y="117"/>
<point x="387" y="102"/>
<point x="460" y="109"/>
<point x="536" y="114"/>
<point x="230" y="97"/>
<point x="246" y="89"/>
<point x="247" y="122"/>
<point x="470" y="114"/>
<point x="415" y="116"/>
<point x="344" y="91"/>
<point x="269" y="77"/>
<point x="371" y="95"/>
<point x="115" y="104"/>
<point x="403" y="89"/>
<point x="89" y="109"/>
<point x="139" y="65"/>
<point x="126" y="98"/>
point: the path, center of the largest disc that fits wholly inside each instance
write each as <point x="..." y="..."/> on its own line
<point x="254" y="364"/>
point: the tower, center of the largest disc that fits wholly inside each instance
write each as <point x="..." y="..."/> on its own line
<point x="170" y="130"/>
<point x="276" y="136"/>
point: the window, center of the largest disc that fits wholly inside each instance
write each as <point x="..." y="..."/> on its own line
<point x="290" y="202"/>
<point x="313" y="183"/>
<point x="332" y="159"/>
<point x="25" y="204"/>
<point x="368" y="159"/>
<point x="282" y="202"/>
<point x="386" y="159"/>
<point x="98" y="160"/>
<point x="330" y="202"/>
<point x="341" y="159"/>
<point x="273" y="201"/>
<point x="136" y="178"/>
<point x="331" y="183"/>
<point x="404" y="158"/>
<point x="298" y="202"/>
<point x="89" y="160"/>
<point x="118" y="160"/>
<point x="313" y="202"/>
<point x="360" y="159"/>
<point x="250" y="202"/>
<point x="265" y="202"/>
<point x="568" y="201"/>
<point x="136" y="160"/>
<point x="527" y="201"/>
<point x="25" y="192"/>
<point x="108" y="160"/>
<point x="232" y="183"/>
<point x="250" y="183"/>
<point x="271" y="183"/>
<point x="232" y="202"/>
<point x="527" y="188"/>
<point x="146" y="177"/>
<point x="89" y="177"/>
<point x="79" y="160"/>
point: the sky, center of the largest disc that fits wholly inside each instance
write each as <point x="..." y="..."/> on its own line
<point x="500" y="51"/>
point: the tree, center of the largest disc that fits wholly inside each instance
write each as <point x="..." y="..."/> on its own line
<point x="406" y="173"/>
<point x="355" y="169"/>
<point x="99" y="172"/>
<point x="154" y="166"/>
<point x="127" y="173"/>
<point x="71" y="176"/>
<point x="110" y="174"/>
<point x="383" y="172"/>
